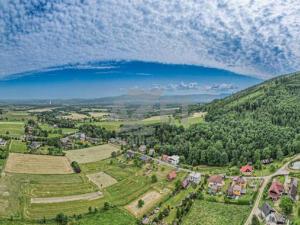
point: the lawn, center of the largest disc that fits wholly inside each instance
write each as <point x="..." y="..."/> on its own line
<point x="17" y="146"/>
<point x="13" y="129"/>
<point x="212" y="213"/>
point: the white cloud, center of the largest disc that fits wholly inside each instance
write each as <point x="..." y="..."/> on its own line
<point x="253" y="37"/>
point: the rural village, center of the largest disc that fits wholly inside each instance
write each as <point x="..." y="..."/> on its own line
<point x="89" y="167"/>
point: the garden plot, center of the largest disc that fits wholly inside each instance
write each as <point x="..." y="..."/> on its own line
<point x="150" y="199"/>
<point x="37" y="164"/>
<point x="102" y="180"/>
<point x="92" y="154"/>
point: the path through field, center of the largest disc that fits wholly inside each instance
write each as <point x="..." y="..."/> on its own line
<point x="87" y="197"/>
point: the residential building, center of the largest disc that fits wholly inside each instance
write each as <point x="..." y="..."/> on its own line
<point x="276" y="190"/>
<point x="143" y="148"/>
<point x="151" y="152"/>
<point x="293" y="190"/>
<point x="165" y="158"/>
<point x="174" y="159"/>
<point x="246" y="170"/>
<point x="130" y="154"/>
<point x="185" y="183"/>
<point x="35" y="145"/>
<point x="275" y="218"/>
<point x="215" y="183"/>
<point x="2" y="142"/>
<point x="266" y="210"/>
<point x="195" y="177"/>
<point x="172" y="175"/>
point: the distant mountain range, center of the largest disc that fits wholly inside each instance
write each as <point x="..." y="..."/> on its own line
<point x="135" y="99"/>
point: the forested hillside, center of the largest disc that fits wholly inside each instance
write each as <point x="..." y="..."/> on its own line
<point x="258" y="123"/>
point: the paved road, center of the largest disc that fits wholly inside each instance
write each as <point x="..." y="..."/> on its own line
<point x="266" y="179"/>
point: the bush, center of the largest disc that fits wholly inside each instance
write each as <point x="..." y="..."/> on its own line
<point x="61" y="219"/>
<point x="286" y="205"/>
<point x="76" y="167"/>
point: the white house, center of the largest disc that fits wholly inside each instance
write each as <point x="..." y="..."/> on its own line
<point x="143" y="148"/>
<point x="2" y="142"/>
<point x="195" y="177"/>
<point x="174" y="159"/>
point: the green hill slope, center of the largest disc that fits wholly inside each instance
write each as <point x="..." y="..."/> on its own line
<point x="258" y="123"/>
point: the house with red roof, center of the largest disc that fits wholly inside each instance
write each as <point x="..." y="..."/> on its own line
<point x="246" y="170"/>
<point x="172" y="175"/>
<point x="276" y="190"/>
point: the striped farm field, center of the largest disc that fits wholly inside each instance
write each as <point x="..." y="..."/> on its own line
<point x="37" y="164"/>
<point x="91" y="154"/>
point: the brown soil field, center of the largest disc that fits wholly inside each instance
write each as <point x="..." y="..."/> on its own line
<point x="150" y="199"/>
<point x="102" y="180"/>
<point x="92" y="154"/>
<point x="37" y="164"/>
<point x="86" y="197"/>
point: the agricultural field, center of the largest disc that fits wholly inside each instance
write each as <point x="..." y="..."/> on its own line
<point x="150" y="199"/>
<point x="16" y="116"/>
<point x="12" y="129"/>
<point x="37" y="164"/>
<point x="75" y="116"/>
<point x="102" y="180"/>
<point x="98" y="114"/>
<point x="213" y="213"/>
<point x="17" y="146"/>
<point x="91" y="154"/>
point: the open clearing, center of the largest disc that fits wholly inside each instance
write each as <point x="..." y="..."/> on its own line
<point x="98" y="114"/>
<point x="75" y="116"/>
<point x="86" y="197"/>
<point x="92" y="154"/>
<point x="150" y="199"/>
<point x="213" y="213"/>
<point x="37" y="164"/>
<point x="15" y="129"/>
<point x="102" y="179"/>
<point x="39" y="110"/>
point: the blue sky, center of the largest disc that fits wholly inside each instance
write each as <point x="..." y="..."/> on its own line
<point x="252" y="37"/>
<point x="249" y="37"/>
<point x="121" y="78"/>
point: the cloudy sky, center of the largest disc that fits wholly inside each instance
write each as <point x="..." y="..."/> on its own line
<point x="251" y="37"/>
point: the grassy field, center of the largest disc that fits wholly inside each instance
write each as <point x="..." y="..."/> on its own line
<point x="91" y="154"/>
<point x="17" y="146"/>
<point x="37" y="164"/>
<point x="212" y="213"/>
<point x="13" y="129"/>
<point x="132" y="183"/>
<point x="76" y="116"/>
<point x="102" y="180"/>
<point x="113" y="216"/>
<point x="16" y="116"/>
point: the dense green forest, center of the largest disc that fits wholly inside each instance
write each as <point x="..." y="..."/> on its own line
<point x="258" y="123"/>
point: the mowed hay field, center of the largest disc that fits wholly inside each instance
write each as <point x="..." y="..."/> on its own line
<point x="102" y="180"/>
<point x="92" y="154"/>
<point x="14" y="129"/>
<point x="213" y="213"/>
<point x="37" y="164"/>
<point x="150" y="199"/>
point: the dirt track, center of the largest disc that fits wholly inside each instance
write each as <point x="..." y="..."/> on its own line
<point x="88" y="197"/>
